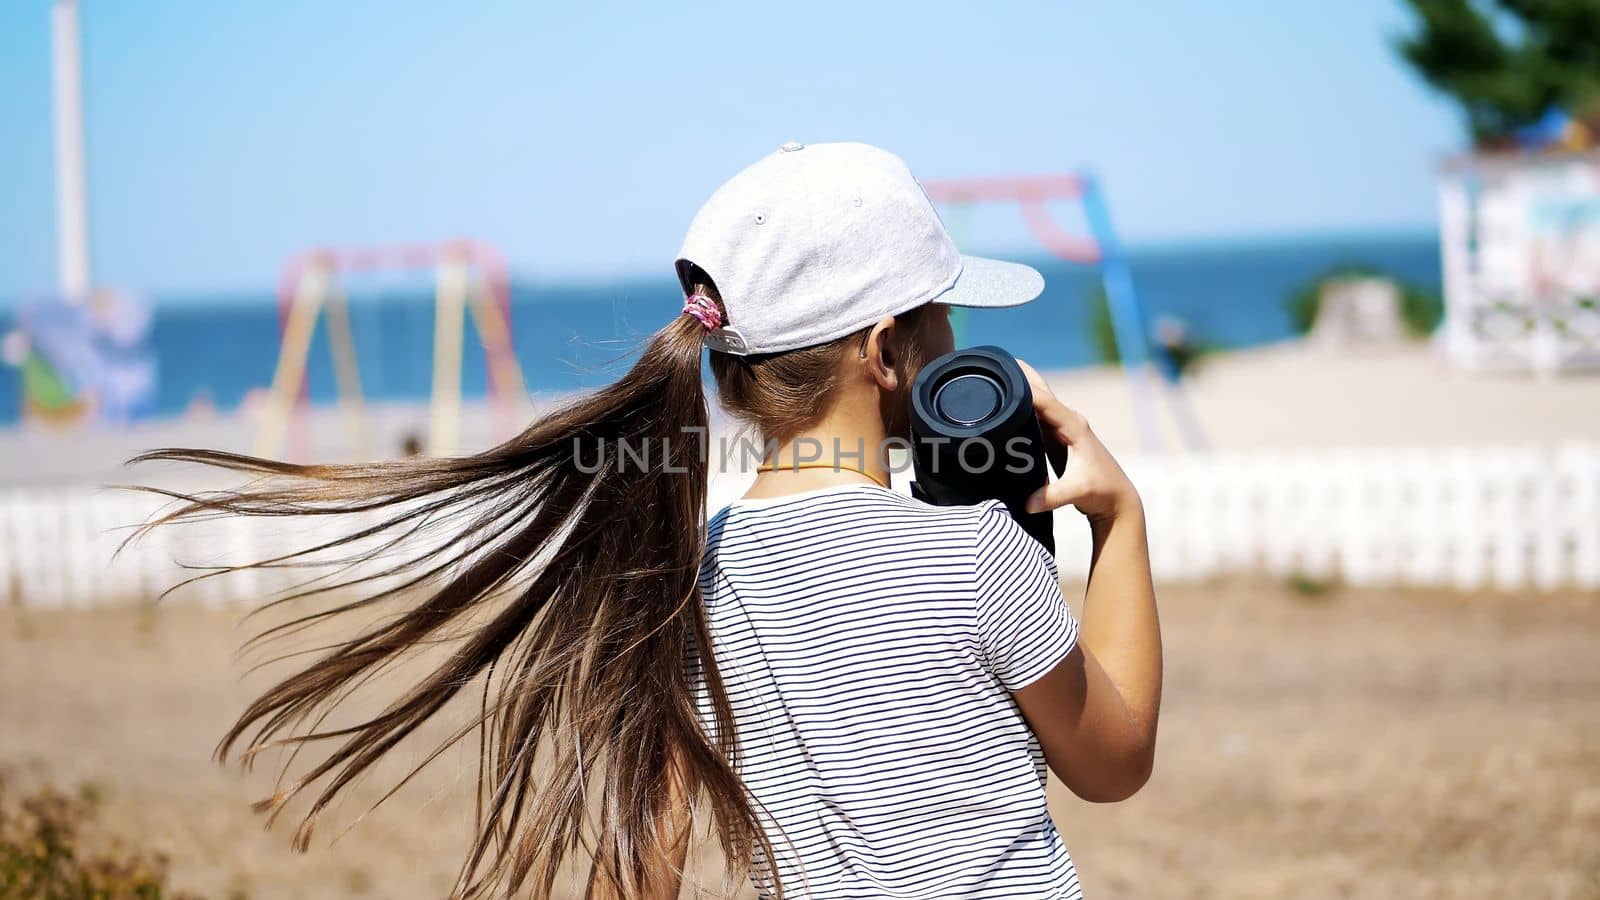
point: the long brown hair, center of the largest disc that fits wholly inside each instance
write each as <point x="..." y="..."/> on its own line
<point x="568" y="595"/>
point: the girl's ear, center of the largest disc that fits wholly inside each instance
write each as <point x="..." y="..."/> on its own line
<point x="880" y="357"/>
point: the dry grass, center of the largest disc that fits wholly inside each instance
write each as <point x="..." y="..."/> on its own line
<point x="1352" y="744"/>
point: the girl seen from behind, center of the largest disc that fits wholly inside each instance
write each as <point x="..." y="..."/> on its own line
<point x="856" y="693"/>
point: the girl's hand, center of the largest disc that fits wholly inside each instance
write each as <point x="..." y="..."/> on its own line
<point x="1091" y="480"/>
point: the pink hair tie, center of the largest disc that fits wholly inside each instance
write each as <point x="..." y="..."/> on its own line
<point x="705" y="309"/>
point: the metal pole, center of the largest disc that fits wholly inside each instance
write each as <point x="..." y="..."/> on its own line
<point x="1127" y="317"/>
<point x="290" y="374"/>
<point x="444" y="432"/>
<point x="346" y="372"/>
<point x="72" y="215"/>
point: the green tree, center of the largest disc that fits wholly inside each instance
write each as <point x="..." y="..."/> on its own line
<point x="1508" y="62"/>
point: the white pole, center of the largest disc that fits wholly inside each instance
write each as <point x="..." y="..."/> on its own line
<point x="449" y="329"/>
<point x="72" y="216"/>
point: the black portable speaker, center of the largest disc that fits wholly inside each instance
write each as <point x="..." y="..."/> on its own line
<point x="974" y="436"/>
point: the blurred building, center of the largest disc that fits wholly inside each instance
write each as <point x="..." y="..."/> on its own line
<point x="1520" y="241"/>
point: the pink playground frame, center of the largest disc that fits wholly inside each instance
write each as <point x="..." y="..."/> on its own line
<point x="406" y="257"/>
<point x="1030" y="193"/>
<point x="506" y="387"/>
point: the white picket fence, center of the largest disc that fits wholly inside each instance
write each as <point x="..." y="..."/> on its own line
<point x="1467" y="518"/>
<point x="1503" y="517"/>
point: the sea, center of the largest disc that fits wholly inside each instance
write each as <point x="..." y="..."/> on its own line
<point x="214" y="350"/>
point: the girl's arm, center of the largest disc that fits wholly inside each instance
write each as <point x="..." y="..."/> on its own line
<point x="1095" y="713"/>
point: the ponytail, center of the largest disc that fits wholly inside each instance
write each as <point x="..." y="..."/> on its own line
<point x="569" y="596"/>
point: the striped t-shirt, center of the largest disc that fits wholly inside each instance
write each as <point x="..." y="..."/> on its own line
<point x="869" y="643"/>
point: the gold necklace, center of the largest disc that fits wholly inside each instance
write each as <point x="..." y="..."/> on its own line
<point x="836" y="466"/>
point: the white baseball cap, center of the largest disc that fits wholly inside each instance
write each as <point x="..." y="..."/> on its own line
<point x="818" y="241"/>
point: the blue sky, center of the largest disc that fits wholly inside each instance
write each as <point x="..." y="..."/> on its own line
<point x="580" y="137"/>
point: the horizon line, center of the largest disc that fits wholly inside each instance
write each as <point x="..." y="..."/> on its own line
<point x="186" y="295"/>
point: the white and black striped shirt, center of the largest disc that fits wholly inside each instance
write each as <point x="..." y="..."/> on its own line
<point x="869" y="643"/>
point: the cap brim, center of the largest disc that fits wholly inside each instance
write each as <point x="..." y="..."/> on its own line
<point x="988" y="282"/>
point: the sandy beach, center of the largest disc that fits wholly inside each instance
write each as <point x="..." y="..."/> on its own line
<point x="1292" y="397"/>
<point x="1358" y="744"/>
